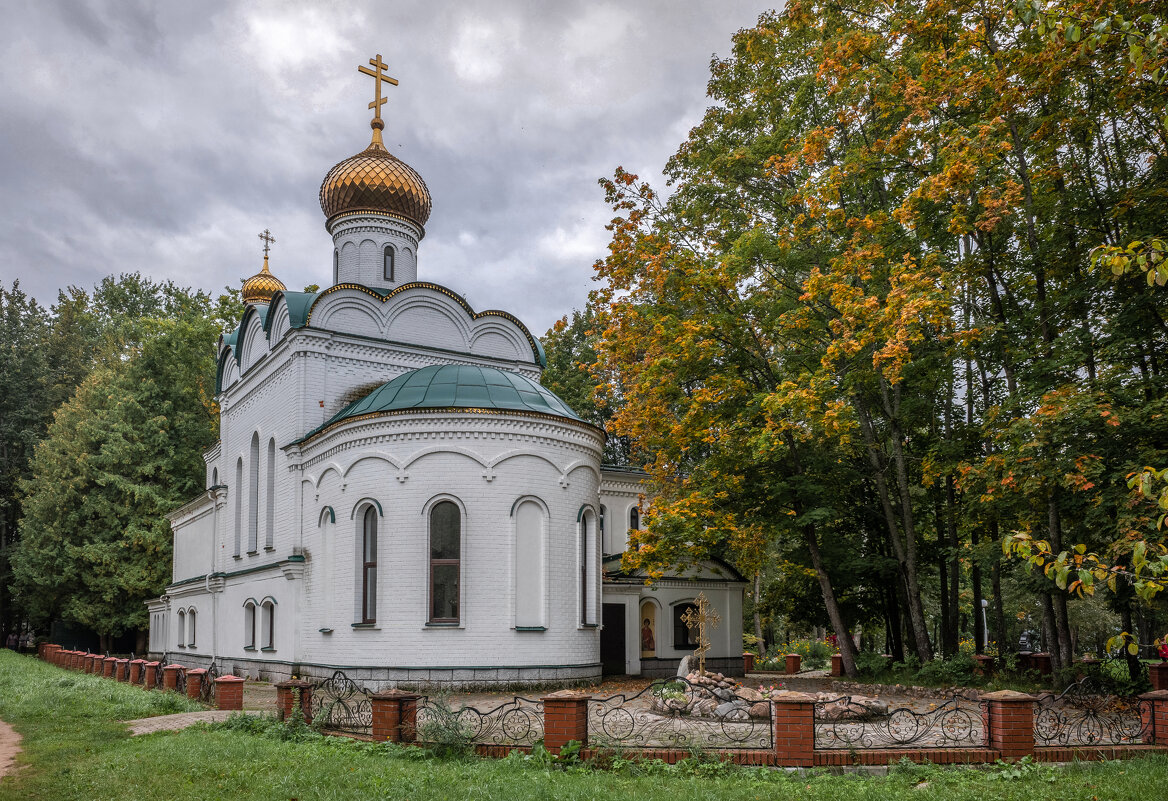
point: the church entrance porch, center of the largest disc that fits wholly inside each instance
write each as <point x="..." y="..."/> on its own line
<point x="612" y="640"/>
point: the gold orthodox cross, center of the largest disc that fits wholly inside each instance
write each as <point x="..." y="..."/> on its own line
<point x="703" y="617"/>
<point x="268" y="240"/>
<point x="378" y="76"/>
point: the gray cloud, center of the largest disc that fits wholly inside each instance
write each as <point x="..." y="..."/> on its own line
<point x="162" y="137"/>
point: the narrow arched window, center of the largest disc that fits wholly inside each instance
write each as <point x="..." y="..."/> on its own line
<point x="191" y="617"/>
<point x="214" y="476"/>
<point x="587" y="574"/>
<point x="635" y="518"/>
<point x="336" y="266"/>
<point x="270" y="497"/>
<point x="249" y="626"/>
<point x="369" y="566"/>
<point x="268" y="625"/>
<point x="387" y="266"/>
<point x="182" y="628"/>
<point x="606" y="545"/>
<point x="238" y="490"/>
<point x="253" y="496"/>
<point x="445" y="561"/>
<point x="529" y="565"/>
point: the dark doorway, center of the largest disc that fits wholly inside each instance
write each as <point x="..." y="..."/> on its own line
<point x="612" y="640"/>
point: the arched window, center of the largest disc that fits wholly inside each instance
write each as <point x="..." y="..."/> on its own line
<point x="336" y="266"/>
<point x="529" y="565"/>
<point x="238" y="490"/>
<point x="253" y="496"/>
<point x="182" y="628"/>
<point x="587" y="569"/>
<point x="684" y="638"/>
<point x="191" y="617"/>
<point x="369" y="566"/>
<point x="606" y="545"/>
<point x="214" y="476"/>
<point x="249" y="625"/>
<point x="445" y="555"/>
<point x="387" y="265"/>
<point x="635" y="518"/>
<point x="267" y="624"/>
<point x="270" y="497"/>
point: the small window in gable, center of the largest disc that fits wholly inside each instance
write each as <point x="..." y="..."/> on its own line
<point x="388" y="265"/>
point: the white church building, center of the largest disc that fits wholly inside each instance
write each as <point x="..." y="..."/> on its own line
<point x="395" y="495"/>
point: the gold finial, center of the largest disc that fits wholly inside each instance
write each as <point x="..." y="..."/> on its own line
<point x="268" y="240"/>
<point x="378" y="76"/>
<point x="703" y="618"/>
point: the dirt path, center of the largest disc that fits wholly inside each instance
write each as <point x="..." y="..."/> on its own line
<point x="9" y="748"/>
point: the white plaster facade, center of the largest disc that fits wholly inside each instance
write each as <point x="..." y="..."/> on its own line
<point x="268" y="561"/>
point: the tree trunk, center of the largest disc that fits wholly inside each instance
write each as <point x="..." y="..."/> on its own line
<point x="1002" y="633"/>
<point x="757" y="616"/>
<point x="943" y="576"/>
<point x="906" y="551"/>
<point x="954" y="566"/>
<point x="842" y="636"/>
<point x="1061" y="620"/>
<point x="979" y="622"/>
<point x="1049" y="633"/>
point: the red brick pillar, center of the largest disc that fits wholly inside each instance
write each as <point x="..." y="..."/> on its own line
<point x="794" y="715"/>
<point x="107" y="666"/>
<point x="170" y="677"/>
<point x="837" y="665"/>
<point x="395" y="716"/>
<point x="136" y="670"/>
<point x="291" y="692"/>
<point x="195" y="679"/>
<point x="793" y="663"/>
<point x="76" y="660"/>
<point x="152" y="669"/>
<point x="1009" y="719"/>
<point x="1154" y="712"/>
<point x="229" y="693"/>
<point x="71" y="659"/>
<point x="1158" y="673"/>
<point x="748" y="663"/>
<point x="565" y="718"/>
<point x="983" y="665"/>
<point x="95" y="663"/>
<point x="122" y="670"/>
<point x="41" y="650"/>
<point x="1041" y="662"/>
<point x="51" y="654"/>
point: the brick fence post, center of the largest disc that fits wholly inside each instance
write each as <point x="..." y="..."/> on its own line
<point x="136" y="670"/>
<point x="122" y="670"/>
<point x="793" y="661"/>
<point x="748" y="663"/>
<point x="395" y="716"/>
<point x="983" y="665"/>
<point x="94" y="663"/>
<point x="1158" y="673"/>
<point x="170" y="677"/>
<point x="76" y="660"/>
<point x="195" y="679"/>
<point x="1009" y="719"/>
<point x="837" y="665"/>
<point x="229" y="693"/>
<point x="1154" y="713"/>
<point x="794" y="716"/>
<point x="152" y="669"/>
<point x="291" y="692"/>
<point x="107" y="666"/>
<point x="51" y="651"/>
<point x="565" y="718"/>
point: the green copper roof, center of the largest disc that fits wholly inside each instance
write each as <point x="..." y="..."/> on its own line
<point x="456" y="386"/>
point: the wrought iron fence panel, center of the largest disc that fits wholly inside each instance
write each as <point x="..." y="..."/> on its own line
<point x="208" y="691"/>
<point x="515" y="722"/>
<point x="180" y="681"/>
<point x="341" y="704"/>
<point x="846" y="724"/>
<point x="1083" y="714"/>
<point x="677" y="713"/>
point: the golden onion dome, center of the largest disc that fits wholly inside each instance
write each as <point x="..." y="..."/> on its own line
<point x="261" y="286"/>
<point x="377" y="181"/>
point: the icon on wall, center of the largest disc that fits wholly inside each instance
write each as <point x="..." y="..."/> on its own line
<point x="648" y="629"/>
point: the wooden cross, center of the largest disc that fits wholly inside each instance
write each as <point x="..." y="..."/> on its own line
<point x="268" y="240"/>
<point x="378" y="76"/>
<point x="703" y="618"/>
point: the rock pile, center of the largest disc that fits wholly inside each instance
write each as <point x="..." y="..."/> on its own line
<point x="849" y="707"/>
<point x="710" y="695"/>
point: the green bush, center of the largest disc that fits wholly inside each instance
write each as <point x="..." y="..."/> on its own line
<point x="870" y="665"/>
<point x="958" y="670"/>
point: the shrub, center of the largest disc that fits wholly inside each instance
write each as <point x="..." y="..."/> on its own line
<point x="870" y="664"/>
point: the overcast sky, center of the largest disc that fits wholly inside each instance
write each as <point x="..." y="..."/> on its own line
<point x="163" y="137"/>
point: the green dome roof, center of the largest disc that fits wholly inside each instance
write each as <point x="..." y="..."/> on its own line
<point x="456" y="386"/>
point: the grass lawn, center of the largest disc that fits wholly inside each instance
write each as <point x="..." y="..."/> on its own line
<point x="74" y="748"/>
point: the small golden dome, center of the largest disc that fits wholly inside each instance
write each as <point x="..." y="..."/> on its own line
<point x="375" y="180"/>
<point x="261" y="286"/>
